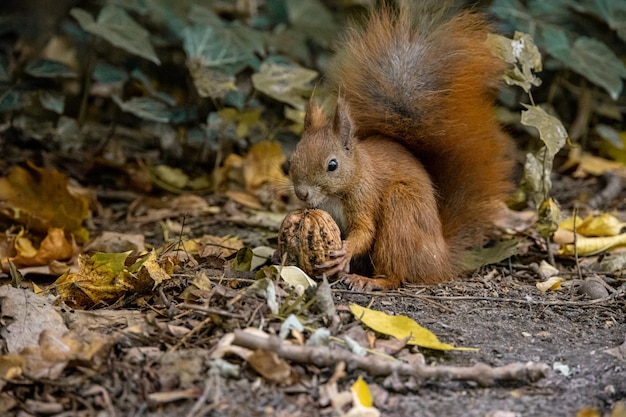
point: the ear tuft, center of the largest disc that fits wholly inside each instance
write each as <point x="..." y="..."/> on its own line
<point x="314" y="117"/>
<point x="342" y="124"/>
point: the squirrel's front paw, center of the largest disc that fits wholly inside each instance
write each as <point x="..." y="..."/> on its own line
<point x="339" y="262"/>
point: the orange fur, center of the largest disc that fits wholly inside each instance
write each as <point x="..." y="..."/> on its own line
<point x="421" y="157"/>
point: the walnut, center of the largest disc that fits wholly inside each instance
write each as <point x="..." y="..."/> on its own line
<point x="306" y="238"/>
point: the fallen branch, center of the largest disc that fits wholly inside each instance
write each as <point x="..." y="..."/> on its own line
<point x="480" y="373"/>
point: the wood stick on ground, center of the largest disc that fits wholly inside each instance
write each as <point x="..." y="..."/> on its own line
<point x="480" y="373"/>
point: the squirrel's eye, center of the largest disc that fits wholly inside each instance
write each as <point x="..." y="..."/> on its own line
<point x="332" y="165"/>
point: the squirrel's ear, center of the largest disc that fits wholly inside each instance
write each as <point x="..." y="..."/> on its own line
<point x="342" y="124"/>
<point x="314" y="117"/>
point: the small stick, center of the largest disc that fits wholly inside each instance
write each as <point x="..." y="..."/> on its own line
<point x="481" y="373"/>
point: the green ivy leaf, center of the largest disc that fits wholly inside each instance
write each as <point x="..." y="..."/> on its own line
<point x="611" y="11"/>
<point x="145" y="108"/>
<point x="286" y="83"/>
<point x="108" y="74"/>
<point x="14" y="100"/>
<point x="596" y="61"/>
<point x="116" y="26"/>
<point x="314" y="19"/>
<point x="218" y="48"/>
<point x="4" y="69"/>
<point x="53" y="101"/>
<point x="45" y="68"/>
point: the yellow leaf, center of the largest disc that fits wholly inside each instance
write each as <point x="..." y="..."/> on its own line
<point x="361" y="392"/>
<point x="593" y="245"/>
<point x="619" y="410"/>
<point x="602" y="225"/>
<point x="24" y="247"/>
<point x="588" y="412"/>
<point x="401" y="327"/>
<point x="597" y="166"/>
<point x="53" y="247"/>
<point x="263" y="166"/>
<point x="568" y="224"/>
<point x="41" y="200"/>
<point x="154" y="269"/>
<point x="552" y="283"/>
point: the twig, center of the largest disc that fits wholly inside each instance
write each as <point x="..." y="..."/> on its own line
<point x="481" y="373"/>
<point x="614" y="185"/>
<point x="193" y="331"/>
<point x="210" y="310"/>
<point x="580" y="272"/>
<point x="199" y="404"/>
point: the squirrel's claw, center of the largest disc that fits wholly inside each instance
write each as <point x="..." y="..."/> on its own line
<point x="339" y="262"/>
<point x="360" y="283"/>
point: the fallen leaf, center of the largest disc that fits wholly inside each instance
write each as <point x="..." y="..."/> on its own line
<point x="552" y="283"/>
<point x="40" y="199"/>
<point x="221" y="246"/>
<point x="54" y="247"/>
<point x="591" y="165"/>
<point x="361" y="392"/>
<point x="593" y="245"/>
<point x="604" y="224"/>
<point x="262" y="166"/>
<point x="24" y="316"/>
<point x="270" y="366"/>
<point x="588" y="412"/>
<point x="400" y="327"/>
<point x="117" y="242"/>
<point x="104" y="278"/>
<point x="285" y="83"/>
<point x="294" y="276"/>
<point x="619" y="410"/>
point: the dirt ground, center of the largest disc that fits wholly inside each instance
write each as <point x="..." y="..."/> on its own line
<point x="154" y="354"/>
<point x="498" y="311"/>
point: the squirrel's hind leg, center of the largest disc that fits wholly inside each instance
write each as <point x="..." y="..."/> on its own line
<point x="409" y="245"/>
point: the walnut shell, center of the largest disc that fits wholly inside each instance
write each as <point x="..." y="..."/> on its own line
<point x="306" y="238"/>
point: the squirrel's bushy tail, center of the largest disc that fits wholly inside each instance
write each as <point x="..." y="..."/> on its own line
<point x="429" y="80"/>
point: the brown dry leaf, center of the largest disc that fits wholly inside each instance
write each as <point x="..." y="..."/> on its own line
<point x="41" y="200"/>
<point x="54" y="247"/>
<point x="230" y="175"/>
<point x="263" y="164"/>
<point x="270" y="366"/>
<point x="619" y="410"/>
<point x="263" y="173"/>
<point x="91" y="285"/>
<point x="117" y="242"/>
<point x="244" y="199"/>
<point x="54" y="353"/>
<point x="103" y="279"/>
<point x="215" y="246"/>
<point x="151" y="272"/>
<point x="24" y="316"/>
<point x="150" y="209"/>
<point x="591" y="165"/>
<point x="588" y="412"/>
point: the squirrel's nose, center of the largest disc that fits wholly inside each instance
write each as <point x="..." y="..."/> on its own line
<point x="301" y="192"/>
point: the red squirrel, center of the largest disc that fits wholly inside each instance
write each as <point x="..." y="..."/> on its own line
<point x="412" y="165"/>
